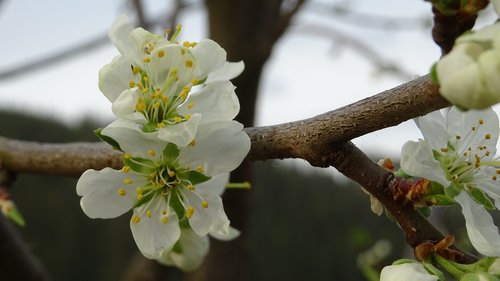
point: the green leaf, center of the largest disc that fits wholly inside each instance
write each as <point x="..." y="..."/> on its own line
<point x="170" y="153"/>
<point x="479" y="196"/>
<point x="424" y="211"/>
<point x="194" y="177"/>
<point x="434" y="74"/>
<point x="15" y="216"/>
<point x="109" y="140"/>
<point x="140" y="165"/>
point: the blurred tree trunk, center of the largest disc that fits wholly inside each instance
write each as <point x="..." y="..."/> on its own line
<point x="247" y="30"/>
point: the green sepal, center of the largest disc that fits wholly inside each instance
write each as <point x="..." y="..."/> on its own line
<point x="109" y="140"/>
<point x="194" y="177"/>
<point x="403" y="261"/>
<point x="177" y="206"/>
<point x="433" y="270"/>
<point x="479" y="196"/>
<point x="145" y="198"/>
<point x="149" y="128"/>
<point x="434" y="74"/>
<point x="435" y="188"/>
<point x="425" y="211"/>
<point x="453" y="190"/>
<point x="15" y="216"/>
<point x="401" y="173"/>
<point x="140" y="165"/>
<point x="177" y="248"/>
<point x="170" y="153"/>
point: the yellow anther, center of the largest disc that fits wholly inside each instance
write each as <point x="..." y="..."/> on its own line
<point x="164" y="99"/>
<point x="487" y="136"/>
<point x="171" y="173"/>
<point x="204" y="204"/>
<point x="122" y="192"/>
<point x="163" y="212"/>
<point x="182" y="52"/>
<point x="190" y="105"/>
<point x="156" y="105"/>
<point x="139" y="190"/>
<point x="193" y="44"/>
<point x="135" y="69"/>
<point x="164" y="219"/>
<point x="139" y="197"/>
<point x="167" y="32"/>
<point x="189" y="212"/>
<point x="148" y="213"/>
<point x="190" y="187"/>
<point x="457" y="137"/>
<point x="144" y="90"/>
<point x="151" y="152"/>
<point x="135" y="219"/>
<point x="125" y="169"/>
<point x="444" y="149"/>
<point x="177" y="119"/>
<point x="494" y="178"/>
<point x="192" y="143"/>
<point x="161" y="53"/>
<point x="147" y="59"/>
<point x="140" y="106"/>
<point x="195" y="82"/>
<point x="498" y="172"/>
<point x="481" y="121"/>
<point x="146" y="79"/>
<point x="188" y="116"/>
<point x="131" y="84"/>
<point x="160" y="125"/>
<point x="127" y="181"/>
<point x="473" y="129"/>
<point x="127" y="156"/>
<point x="199" y="168"/>
<point x="140" y="86"/>
<point x="186" y="44"/>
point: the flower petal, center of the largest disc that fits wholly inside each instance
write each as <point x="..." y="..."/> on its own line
<point x="131" y="140"/>
<point x="194" y="249"/>
<point x="182" y="133"/>
<point x="219" y="147"/>
<point x="210" y="56"/>
<point x="124" y="105"/>
<point x="227" y="71"/>
<point x="407" y="272"/>
<point x="417" y="160"/>
<point x="101" y="192"/>
<point x="231" y="234"/>
<point x="483" y="233"/>
<point x="152" y="233"/>
<point x="115" y="76"/>
<point x="211" y="218"/>
<point x="433" y="128"/>
<point x="119" y="32"/>
<point x="216" y="185"/>
<point x="216" y="101"/>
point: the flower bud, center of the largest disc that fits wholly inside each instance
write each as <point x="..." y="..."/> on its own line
<point x="406" y="271"/>
<point x="478" y="276"/>
<point x="468" y="75"/>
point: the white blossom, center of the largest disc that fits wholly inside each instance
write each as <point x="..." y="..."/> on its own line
<point x="407" y="272"/>
<point x="458" y="152"/>
<point x="164" y="89"/>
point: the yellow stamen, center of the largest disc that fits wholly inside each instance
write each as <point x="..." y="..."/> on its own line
<point x="161" y="53"/>
<point x="160" y="125"/>
<point x="171" y="173"/>
<point x="487" y="136"/>
<point x="125" y="169"/>
<point x="200" y="168"/>
<point x="139" y="197"/>
<point x="177" y="119"/>
<point x="148" y="213"/>
<point x="188" y="116"/>
<point x="481" y="121"/>
<point x="182" y="52"/>
<point x="135" y="69"/>
<point x="147" y="59"/>
<point x="127" y="181"/>
<point x="139" y="190"/>
<point x="189" y="212"/>
<point x="156" y="105"/>
<point x="189" y="64"/>
<point x="127" y="156"/>
<point x="190" y="187"/>
<point x="444" y="149"/>
<point x="190" y="105"/>
<point x="192" y="143"/>
<point x="195" y="82"/>
<point x="164" y="219"/>
<point x="131" y="84"/>
<point x="122" y="192"/>
<point x="204" y="204"/>
<point x="135" y="219"/>
<point x="152" y="152"/>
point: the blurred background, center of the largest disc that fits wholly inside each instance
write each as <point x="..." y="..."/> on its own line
<point x="302" y="58"/>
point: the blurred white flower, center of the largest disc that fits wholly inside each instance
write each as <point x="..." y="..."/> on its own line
<point x="459" y="154"/>
<point x="407" y="272"/>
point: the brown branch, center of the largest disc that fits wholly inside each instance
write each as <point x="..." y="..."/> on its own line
<point x="139" y="10"/>
<point x="285" y="19"/>
<point x="308" y="139"/>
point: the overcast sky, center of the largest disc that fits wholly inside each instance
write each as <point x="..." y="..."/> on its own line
<point x="308" y="74"/>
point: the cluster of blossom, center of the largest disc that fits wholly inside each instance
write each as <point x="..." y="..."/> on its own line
<point x="174" y="105"/>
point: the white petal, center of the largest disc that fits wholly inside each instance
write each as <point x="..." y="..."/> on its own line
<point x="119" y="32"/>
<point x="194" y="250"/>
<point x="174" y="56"/>
<point x="216" y="185"/>
<point x="114" y="77"/>
<point x="219" y="148"/>
<point x="489" y="64"/>
<point x="131" y="140"/>
<point x="124" y="105"/>
<point x="496" y="6"/>
<point x="216" y="101"/>
<point x="461" y="123"/>
<point x="182" y="133"/>
<point x="433" y="128"/>
<point x="100" y="191"/>
<point x="232" y="233"/>
<point x="417" y="160"/>
<point x="483" y="233"/>
<point x="205" y="220"/>
<point x="152" y="235"/>
<point x="209" y="55"/>
<point x="227" y="71"/>
<point x="407" y="272"/>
